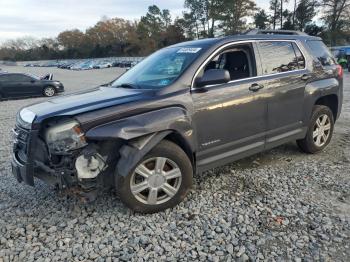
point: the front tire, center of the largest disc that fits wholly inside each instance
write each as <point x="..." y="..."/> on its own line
<point x="49" y="91"/>
<point x="161" y="180"/>
<point x="319" y="132"/>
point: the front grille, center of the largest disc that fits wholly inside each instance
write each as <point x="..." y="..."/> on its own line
<point x="20" y="143"/>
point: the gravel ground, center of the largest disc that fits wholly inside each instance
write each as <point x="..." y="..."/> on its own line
<point x="275" y="206"/>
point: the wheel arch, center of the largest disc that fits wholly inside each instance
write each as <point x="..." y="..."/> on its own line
<point x="323" y="92"/>
<point x="135" y="149"/>
<point x="330" y="101"/>
<point x="48" y="85"/>
<point x="184" y="144"/>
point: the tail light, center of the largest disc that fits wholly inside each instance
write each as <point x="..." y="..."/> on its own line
<point x="340" y="71"/>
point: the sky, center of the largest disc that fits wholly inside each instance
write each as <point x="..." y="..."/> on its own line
<point x="47" y="18"/>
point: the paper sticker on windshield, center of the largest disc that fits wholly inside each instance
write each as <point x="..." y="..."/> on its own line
<point x="191" y="50"/>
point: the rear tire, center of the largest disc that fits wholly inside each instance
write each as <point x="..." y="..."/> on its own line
<point x="161" y="180"/>
<point x="319" y="132"/>
<point x="49" y="91"/>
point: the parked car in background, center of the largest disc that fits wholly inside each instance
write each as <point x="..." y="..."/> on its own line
<point x="32" y="64"/>
<point x="68" y="65"/>
<point x="26" y="85"/>
<point x="125" y="64"/>
<point x="134" y="63"/>
<point x="102" y="64"/>
<point x="50" y="64"/>
<point x="85" y="65"/>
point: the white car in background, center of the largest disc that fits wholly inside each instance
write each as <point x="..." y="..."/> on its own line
<point x="103" y="64"/>
<point x="85" y="65"/>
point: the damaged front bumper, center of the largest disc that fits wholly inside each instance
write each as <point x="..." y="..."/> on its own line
<point x="30" y="159"/>
<point x="23" y="145"/>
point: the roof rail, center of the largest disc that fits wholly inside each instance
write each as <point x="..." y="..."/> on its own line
<point x="274" y="32"/>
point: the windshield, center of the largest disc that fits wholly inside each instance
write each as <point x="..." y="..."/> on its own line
<point x="159" y="69"/>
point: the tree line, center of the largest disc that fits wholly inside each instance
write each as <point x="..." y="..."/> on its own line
<point x="329" y="19"/>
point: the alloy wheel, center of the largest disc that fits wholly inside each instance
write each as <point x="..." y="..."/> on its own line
<point x="49" y="91"/>
<point x="321" y="131"/>
<point x="156" y="181"/>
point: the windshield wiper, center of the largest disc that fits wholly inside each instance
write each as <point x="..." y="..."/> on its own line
<point x="128" y="85"/>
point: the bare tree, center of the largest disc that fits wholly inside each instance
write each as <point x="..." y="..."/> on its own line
<point x="275" y="8"/>
<point x="336" y="16"/>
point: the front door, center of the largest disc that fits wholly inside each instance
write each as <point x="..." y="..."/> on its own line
<point x="230" y="118"/>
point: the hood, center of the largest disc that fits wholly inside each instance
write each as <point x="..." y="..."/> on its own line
<point x="85" y="101"/>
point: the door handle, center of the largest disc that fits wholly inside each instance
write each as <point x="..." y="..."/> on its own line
<point x="255" y="87"/>
<point x="305" y="77"/>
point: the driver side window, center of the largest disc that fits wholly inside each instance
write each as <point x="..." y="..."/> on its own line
<point x="237" y="60"/>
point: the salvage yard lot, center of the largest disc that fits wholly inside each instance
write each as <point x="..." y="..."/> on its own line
<point x="277" y="205"/>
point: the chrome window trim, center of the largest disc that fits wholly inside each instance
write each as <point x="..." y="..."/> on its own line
<point x="243" y="42"/>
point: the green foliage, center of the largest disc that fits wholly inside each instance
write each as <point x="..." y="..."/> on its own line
<point x="261" y="20"/>
<point x="275" y="8"/>
<point x="304" y="13"/>
<point x="336" y="18"/>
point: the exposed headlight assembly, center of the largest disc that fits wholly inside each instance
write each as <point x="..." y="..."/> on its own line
<point x="65" y="136"/>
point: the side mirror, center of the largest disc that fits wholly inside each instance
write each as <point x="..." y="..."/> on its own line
<point x="212" y="77"/>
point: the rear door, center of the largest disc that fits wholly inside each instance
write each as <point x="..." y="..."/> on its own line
<point x="9" y="85"/>
<point x="284" y="77"/>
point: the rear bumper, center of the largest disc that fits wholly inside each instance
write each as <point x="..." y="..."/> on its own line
<point x="340" y="98"/>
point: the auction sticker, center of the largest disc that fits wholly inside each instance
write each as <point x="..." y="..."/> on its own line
<point x="191" y="50"/>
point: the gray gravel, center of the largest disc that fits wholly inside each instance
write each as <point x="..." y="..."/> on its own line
<point x="275" y="206"/>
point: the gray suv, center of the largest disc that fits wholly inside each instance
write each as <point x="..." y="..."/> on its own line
<point x="185" y="109"/>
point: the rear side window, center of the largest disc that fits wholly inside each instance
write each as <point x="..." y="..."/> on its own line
<point x="321" y="52"/>
<point x="277" y="57"/>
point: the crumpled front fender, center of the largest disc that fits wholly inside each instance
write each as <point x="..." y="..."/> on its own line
<point x="132" y="153"/>
<point x="142" y="132"/>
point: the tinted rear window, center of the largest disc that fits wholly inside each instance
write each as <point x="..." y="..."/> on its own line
<point x="277" y="57"/>
<point x="321" y="52"/>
